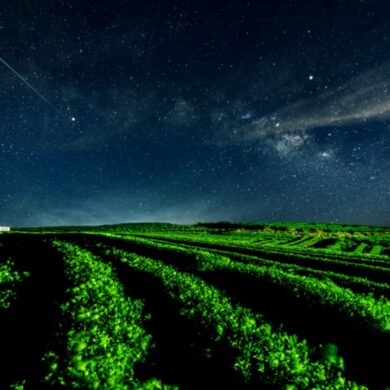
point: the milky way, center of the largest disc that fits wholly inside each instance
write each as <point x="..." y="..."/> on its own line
<point x="185" y="111"/>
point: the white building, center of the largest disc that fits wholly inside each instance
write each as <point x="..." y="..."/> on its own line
<point x="5" y="228"/>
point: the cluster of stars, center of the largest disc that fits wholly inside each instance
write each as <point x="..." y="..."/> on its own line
<point x="208" y="111"/>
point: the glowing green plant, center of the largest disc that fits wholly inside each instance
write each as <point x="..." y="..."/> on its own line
<point x="104" y="336"/>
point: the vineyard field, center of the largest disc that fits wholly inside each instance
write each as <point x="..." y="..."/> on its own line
<point x="208" y="306"/>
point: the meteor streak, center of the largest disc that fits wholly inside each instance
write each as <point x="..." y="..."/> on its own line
<point x="31" y="87"/>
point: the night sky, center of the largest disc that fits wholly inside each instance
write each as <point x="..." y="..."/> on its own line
<point x="187" y="111"/>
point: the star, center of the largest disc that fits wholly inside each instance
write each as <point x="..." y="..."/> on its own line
<point x="247" y="115"/>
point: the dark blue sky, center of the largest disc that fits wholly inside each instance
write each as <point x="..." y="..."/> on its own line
<point x="194" y="110"/>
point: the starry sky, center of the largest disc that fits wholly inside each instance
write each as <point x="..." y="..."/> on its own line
<point x="187" y="111"/>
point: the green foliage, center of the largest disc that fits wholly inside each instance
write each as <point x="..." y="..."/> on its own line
<point x="293" y="263"/>
<point x="9" y="278"/>
<point x="365" y="310"/>
<point x="19" y="385"/>
<point x="338" y="272"/>
<point x="259" y="353"/>
<point x="102" y="328"/>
